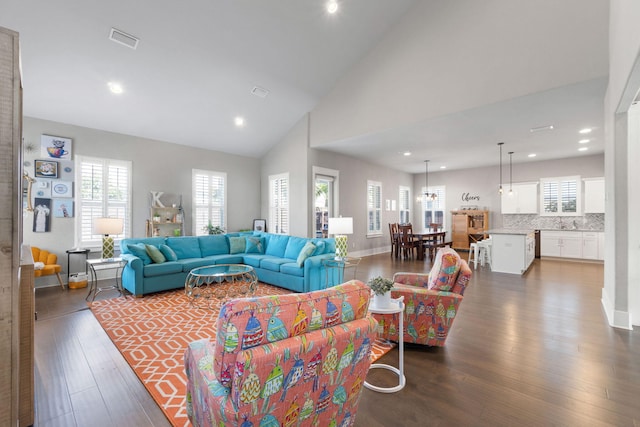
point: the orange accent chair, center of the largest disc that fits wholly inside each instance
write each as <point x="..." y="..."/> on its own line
<point x="50" y="263"/>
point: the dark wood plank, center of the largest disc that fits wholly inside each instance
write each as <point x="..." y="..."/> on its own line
<point x="527" y="350"/>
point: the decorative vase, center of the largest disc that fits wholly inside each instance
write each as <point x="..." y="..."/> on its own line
<point x="382" y="301"/>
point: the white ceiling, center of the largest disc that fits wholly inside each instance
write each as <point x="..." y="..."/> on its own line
<point x="195" y="67"/>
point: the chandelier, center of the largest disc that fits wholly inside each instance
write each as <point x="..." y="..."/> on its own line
<point x="427" y="195"/>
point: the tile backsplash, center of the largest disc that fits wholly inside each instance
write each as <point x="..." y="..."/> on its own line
<point x="593" y="222"/>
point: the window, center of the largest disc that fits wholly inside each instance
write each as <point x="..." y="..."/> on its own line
<point x="404" y="198"/>
<point x="374" y="208"/>
<point x="103" y="190"/>
<point x="209" y="200"/>
<point x="279" y="203"/>
<point x="433" y="210"/>
<point x="560" y="196"/>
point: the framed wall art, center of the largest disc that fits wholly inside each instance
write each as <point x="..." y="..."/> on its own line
<point x="260" y="225"/>
<point x="46" y="169"/>
<point x="55" y="147"/>
<point x="62" y="208"/>
<point x="42" y="215"/>
<point x="62" y="189"/>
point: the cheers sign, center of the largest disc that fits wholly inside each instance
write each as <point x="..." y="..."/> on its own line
<point x="466" y="197"/>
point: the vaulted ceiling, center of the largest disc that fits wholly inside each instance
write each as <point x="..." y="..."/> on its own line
<point x="444" y="80"/>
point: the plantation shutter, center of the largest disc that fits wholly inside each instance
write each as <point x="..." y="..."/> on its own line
<point x="279" y="203"/>
<point x="209" y="196"/>
<point x="434" y="209"/>
<point x="374" y="208"/>
<point x="103" y="189"/>
<point x="404" y="205"/>
<point x="550" y="196"/>
<point x="569" y="191"/>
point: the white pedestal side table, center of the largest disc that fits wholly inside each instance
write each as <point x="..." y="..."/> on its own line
<point x="397" y="306"/>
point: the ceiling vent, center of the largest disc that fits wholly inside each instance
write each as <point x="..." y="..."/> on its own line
<point x="260" y="91"/>
<point x="123" y="38"/>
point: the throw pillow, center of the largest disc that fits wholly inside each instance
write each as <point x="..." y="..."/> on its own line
<point x="305" y="253"/>
<point x="254" y="245"/>
<point x="155" y="254"/>
<point x="139" y="250"/>
<point x="168" y="253"/>
<point x="445" y="269"/>
<point x="320" y="247"/>
<point x="236" y="245"/>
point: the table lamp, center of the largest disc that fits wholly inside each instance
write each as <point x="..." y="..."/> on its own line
<point x="340" y="227"/>
<point x="106" y="227"/>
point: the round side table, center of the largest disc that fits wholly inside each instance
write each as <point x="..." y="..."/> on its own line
<point x="397" y="306"/>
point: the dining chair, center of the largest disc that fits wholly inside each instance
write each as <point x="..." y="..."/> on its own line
<point x="407" y="243"/>
<point x="393" y="234"/>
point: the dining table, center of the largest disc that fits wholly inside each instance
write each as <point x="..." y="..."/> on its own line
<point x="429" y="240"/>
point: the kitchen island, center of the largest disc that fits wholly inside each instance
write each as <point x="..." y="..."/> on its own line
<point x="512" y="251"/>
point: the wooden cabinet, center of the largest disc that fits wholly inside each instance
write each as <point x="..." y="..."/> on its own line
<point x="594" y="195"/>
<point x="165" y="221"/>
<point x="468" y="226"/>
<point x="524" y="199"/>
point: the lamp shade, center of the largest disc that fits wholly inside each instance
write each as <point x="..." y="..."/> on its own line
<point x="339" y="226"/>
<point x="106" y="226"/>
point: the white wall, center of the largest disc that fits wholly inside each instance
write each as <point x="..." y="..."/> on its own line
<point x="290" y="156"/>
<point x="157" y="166"/>
<point x="624" y="82"/>
<point x="449" y="56"/>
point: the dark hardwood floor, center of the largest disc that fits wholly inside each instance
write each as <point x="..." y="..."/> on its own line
<point x="523" y="351"/>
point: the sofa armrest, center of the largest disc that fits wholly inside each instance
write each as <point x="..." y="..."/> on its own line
<point x="415" y="279"/>
<point x="132" y="274"/>
<point x="315" y="274"/>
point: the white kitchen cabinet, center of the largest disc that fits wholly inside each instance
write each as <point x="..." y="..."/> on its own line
<point x="601" y="246"/>
<point x="590" y="245"/>
<point x="566" y="244"/>
<point x="594" y="195"/>
<point x="512" y="252"/>
<point x="524" y="199"/>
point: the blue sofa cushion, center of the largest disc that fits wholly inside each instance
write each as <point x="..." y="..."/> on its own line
<point x="277" y="245"/>
<point x="168" y="252"/>
<point x="254" y="259"/>
<point x="225" y="259"/>
<point x="140" y="250"/>
<point x="155" y="241"/>
<point x="185" y="247"/>
<point x="292" y="269"/>
<point x="305" y="253"/>
<point x="254" y="245"/>
<point x="273" y="264"/>
<point x="168" y="267"/>
<point x="294" y="246"/>
<point x="216" y="244"/>
<point x="237" y="244"/>
<point x="321" y="245"/>
<point x="191" y="263"/>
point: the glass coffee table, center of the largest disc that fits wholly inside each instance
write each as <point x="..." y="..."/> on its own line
<point x="205" y="286"/>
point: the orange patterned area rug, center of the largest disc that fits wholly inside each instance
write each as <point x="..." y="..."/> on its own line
<point x="152" y="334"/>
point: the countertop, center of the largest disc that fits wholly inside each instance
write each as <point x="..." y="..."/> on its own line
<point x="571" y="229"/>
<point x="514" y="231"/>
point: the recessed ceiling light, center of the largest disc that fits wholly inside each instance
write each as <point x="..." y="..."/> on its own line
<point x="443" y="167"/>
<point x="406" y="153"/>
<point x="584" y="141"/>
<point x="115" y="87"/>
<point x="239" y="121"/>
<point x="585" y="131"/>
<point x="532" y="155"/>
<point x="583" y="148"/>
<point x="332" y="6"/>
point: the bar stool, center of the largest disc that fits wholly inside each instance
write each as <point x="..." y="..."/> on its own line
<point x="484" y="247"/>
<point x="474" y="251"/>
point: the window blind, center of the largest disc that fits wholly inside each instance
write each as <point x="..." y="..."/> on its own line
<point x="279" y="203"/>
<point x="209" y="200"/>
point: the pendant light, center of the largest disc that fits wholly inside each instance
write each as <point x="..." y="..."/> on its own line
<point x="426" y="194"/>
<point x="510" y="174"/>
<point x="500" y="144"/>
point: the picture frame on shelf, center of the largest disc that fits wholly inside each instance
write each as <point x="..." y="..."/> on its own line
<point x="46" y="169"/>
<point x="260" y="225"/>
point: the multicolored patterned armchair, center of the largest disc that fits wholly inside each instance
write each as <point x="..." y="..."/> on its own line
<point x="431" y="300"/>
<point x="296" y="359"/>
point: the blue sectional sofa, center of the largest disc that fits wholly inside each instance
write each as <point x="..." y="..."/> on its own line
<point x="275" y="258"/>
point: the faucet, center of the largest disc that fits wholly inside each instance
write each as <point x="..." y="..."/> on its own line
<point x="560" y="224"/>
<point x="575" y="225"/>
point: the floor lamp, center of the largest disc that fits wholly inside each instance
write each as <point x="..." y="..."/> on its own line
<point x="107" y="227"/>
<point x="340" y="227"/>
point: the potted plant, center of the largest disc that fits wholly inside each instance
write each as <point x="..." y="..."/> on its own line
<point x="211" y="229"/>
<point x="381" y="288"/>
